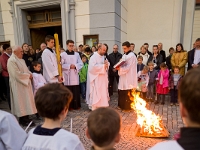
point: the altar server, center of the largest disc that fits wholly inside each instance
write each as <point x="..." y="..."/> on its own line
<point x="127" y="77"/>
<point x="50" y="66"/>
<point x="71" y="65"/>
<point x="12" y="136"/>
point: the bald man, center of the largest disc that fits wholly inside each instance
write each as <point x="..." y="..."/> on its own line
<point x="21" y="93"/>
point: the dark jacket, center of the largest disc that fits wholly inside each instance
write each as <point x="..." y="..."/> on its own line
<point x="191" y="58"/>
<point x="168" y="62"/>
<point x="162" y="52"/>
<point x="38" y="55"/>
<point x="152" y="76"/>
<point x="140" y="67"/>
<point x="113" y="58"/>
<point x="158" y="60"/>
<point x="171" y="82"/>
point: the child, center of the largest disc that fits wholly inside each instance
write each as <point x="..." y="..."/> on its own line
<point x="174" y="82"/>
<point x="140" y="65"/>
<point x="52" y="103"/>
<point x="87" y="53"/>
<point x="83" y="76"/>
<point x="38" y="79"/>
<point x="103" y="128"/>
<point x="190" y="113"/>
<point x="152" y="78"/>
<point x="143" y="80"/>
<point x="162" y="83"/>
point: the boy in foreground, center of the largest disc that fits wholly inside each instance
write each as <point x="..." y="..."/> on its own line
<point x="103" y="127"/>
<point x="189" y="103"/>
<point x="52" y="102"/>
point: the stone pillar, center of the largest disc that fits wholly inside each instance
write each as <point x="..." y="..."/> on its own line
<point x="187" y="29"/>
<point x="72" y="21"/>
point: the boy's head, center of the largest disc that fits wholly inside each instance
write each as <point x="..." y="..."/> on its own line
<point x="163" y="66"/>
<point x="70" y="45"/>
<point x="103" y="127"/>
<point x="83" y="58"/>
<point x="171" y="50"/>
<point x="151" y="65"/>
<point x="52" y="101"/>
<point x="145" y="69"/>
<point x="176" y="69"/>
<point x="140" y="59"/>
<point x="88" y="50"/>
<point x="36" y="65"/>
<point x="189" y="98"/>
<point x="49" y="41"/>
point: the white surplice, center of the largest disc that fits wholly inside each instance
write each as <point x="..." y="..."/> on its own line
<point x="12" y="136"/>
<point x="38" y="81"/>
<point x="21" y="92"/>
<point x="167" y="145"/>
<point x="61" y="140"/>
<point x="97" y="82"/>
<point x="71" y="76"/>
<point x="128" y="72"/>
<point x="50" y="66"/>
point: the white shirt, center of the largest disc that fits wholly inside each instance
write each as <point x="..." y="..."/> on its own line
<point x="196" y="57"/>
<point x="167" y="145"/>
<point x="50" y="66"/>
<point x="71" y="76"/>
<point x="38" y="81"/>
<point x="12" y="136"/>
<point x="62" y="140"/>
<point x="97" y="82"/>
<point x="128" y="73"/>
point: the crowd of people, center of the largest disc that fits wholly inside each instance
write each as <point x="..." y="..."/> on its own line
<point x="32" y="84"/>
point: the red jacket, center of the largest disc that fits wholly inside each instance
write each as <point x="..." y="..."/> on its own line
<point x="3" y="60"/>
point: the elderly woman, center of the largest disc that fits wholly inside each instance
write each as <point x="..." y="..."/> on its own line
<point x="179" y="58"/>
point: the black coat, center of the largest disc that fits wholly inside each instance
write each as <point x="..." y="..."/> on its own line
<point x="162" y="52"/>
<point x="140" y="67"/>
<point x="168" y="62"/>
<point x="113" y="59"/>
<point x="159" y="60"/>
<point x="191" y="58"/>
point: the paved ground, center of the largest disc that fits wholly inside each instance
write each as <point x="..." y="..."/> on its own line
<point x="170" y="116"/>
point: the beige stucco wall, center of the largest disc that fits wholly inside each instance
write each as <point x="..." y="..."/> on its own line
<point x="153" y="22"/>
<point x="82" y="20"/>
<point x="7" y="21"/>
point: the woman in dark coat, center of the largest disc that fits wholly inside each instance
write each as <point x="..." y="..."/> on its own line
<point x="156" y="58"/>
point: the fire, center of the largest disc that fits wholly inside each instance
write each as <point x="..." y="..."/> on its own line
<point x="150" y="124"/>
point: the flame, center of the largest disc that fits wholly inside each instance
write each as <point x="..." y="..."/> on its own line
<point x="146" y="119"/>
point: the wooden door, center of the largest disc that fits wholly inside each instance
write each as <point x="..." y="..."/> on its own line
<point x="37" y="37"/>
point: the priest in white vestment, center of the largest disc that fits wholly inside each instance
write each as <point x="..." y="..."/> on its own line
<point x="21" y="93"/>
<point x="12" y="136"/>
<point x="97" y="80"/>
<point x="127" y="77"/>
<point x="49" y="60"/>
<point x="71" y="65"/>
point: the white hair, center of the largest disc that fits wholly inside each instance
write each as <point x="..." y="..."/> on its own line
<point x="15" y="48"/>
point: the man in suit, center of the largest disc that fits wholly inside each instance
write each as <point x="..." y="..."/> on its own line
<point x="133" y="48"/>
<point x="194" y="56"/>
<point x="113" y="58"/>
<point x="161" y="51"/>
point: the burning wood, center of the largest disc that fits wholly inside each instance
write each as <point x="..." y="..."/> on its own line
<point x="149" y="124"/>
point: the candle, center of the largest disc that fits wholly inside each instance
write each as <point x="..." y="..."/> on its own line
<point x="71" y="125"/>
<point x="58" y="54"/>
